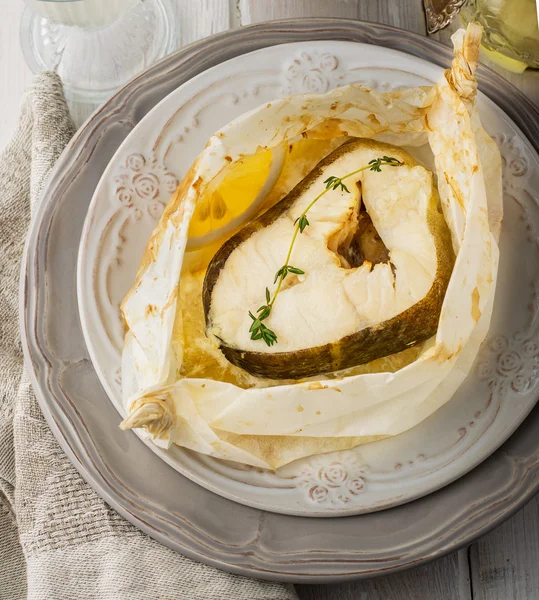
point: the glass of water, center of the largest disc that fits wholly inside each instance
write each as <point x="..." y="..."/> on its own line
<point x="96" y="45"/>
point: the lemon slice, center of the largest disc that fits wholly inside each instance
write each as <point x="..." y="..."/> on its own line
<point x="235" y="198"/>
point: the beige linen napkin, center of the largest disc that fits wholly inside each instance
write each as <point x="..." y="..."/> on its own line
<point x="58" y="539"/>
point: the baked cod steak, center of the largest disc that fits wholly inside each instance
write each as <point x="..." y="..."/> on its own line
<point x="373" y="267"/>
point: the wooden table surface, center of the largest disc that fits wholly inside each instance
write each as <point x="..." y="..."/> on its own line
<point x="503" y="565"/>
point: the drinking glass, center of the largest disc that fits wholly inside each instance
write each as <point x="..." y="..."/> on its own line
<point x="510" y="30"/>
<point x="96" y="45"/>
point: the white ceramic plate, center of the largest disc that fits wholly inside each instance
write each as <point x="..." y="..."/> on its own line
<point x="492" y="402"/>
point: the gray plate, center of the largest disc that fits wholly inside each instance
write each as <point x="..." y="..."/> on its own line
<point x="135" y="481"/>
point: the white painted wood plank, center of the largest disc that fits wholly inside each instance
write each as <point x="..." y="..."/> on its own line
<point x="254" y="11"/>
<point x="15" y="76"/>
<point x="199" y="18"/>
<point x="441" y="580"/>
<point x="407" y="14"/>
<point x="505" y="563"/>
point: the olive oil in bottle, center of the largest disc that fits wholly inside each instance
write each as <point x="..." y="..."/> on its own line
<point x="511" y="31"/>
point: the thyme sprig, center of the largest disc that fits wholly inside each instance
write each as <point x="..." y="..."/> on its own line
<point x="258" y="330"/>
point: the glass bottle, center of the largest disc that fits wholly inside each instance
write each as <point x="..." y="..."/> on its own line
<point x="511" y="30"/>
